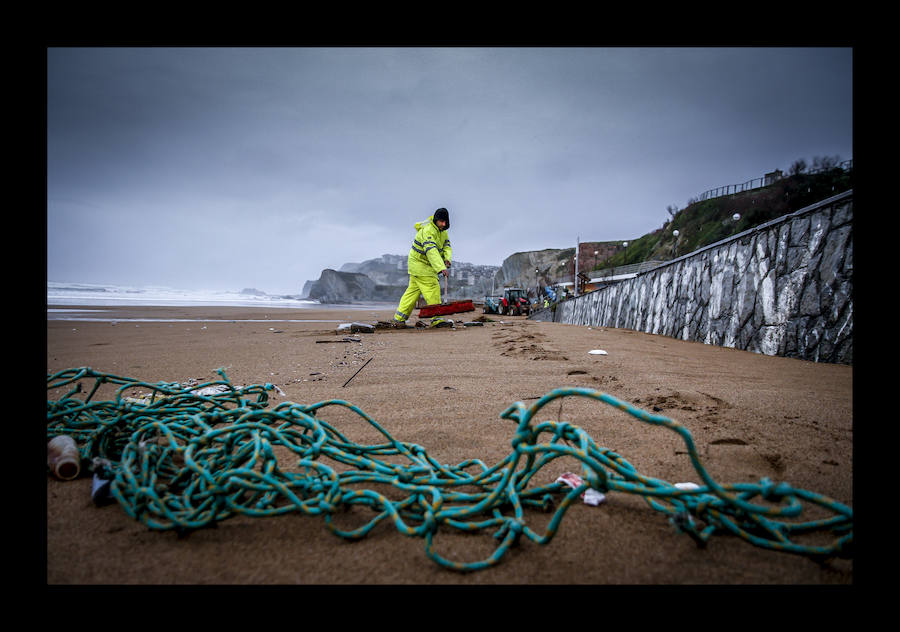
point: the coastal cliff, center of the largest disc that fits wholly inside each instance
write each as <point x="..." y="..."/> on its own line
<point x="535" y="268"/>
<point x="334" y="286"/>
<point x="386" y="278"/>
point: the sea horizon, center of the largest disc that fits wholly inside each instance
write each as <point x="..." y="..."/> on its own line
<point x="68" y="294"/>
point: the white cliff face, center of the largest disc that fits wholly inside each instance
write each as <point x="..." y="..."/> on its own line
<point x="783" y="288"/>
<point x="386" y="277"/>
<point x="519" y="269"/>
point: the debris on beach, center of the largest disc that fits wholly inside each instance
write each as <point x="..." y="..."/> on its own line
<point x="344" y="339"/>
<point x="104" y="474"/>
<point x="63" y="458"/>
<point x="212" y="390"/>
<point x="590" y="496"/>
<point x="355" y="328"/>
<point x="167" y="460"/>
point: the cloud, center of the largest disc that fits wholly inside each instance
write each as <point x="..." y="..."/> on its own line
<point x="263" y="166"/>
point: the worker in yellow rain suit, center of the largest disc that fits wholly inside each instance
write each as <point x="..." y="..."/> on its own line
<point x="429" y="257"/>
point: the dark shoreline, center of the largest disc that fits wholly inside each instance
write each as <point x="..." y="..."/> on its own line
<point x="218" y="313"/>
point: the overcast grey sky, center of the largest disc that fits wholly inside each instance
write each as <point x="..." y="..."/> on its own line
<point x="226" y="168"/>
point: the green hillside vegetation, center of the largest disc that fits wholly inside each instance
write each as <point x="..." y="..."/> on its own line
<point x="705" y="222"/>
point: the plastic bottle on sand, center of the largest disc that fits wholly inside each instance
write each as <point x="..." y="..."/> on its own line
<point x="63" y="458"/>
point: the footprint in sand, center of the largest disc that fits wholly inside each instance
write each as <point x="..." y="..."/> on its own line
<point x="515" y="343"/>
<point x="735" y="454"/>
<point x="707" y="406"/>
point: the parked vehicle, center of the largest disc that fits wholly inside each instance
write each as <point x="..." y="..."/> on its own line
<point x="492" y="304"/>
<point x="514" y="302"/>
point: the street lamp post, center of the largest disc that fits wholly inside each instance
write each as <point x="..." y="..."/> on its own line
<point x="624" y="257"/>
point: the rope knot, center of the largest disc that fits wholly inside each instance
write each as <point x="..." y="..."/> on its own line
<point x="524" y="435"/>
<point x="513" y="527"/>
<point x="313" y="451"/>
<point x="684" y="523"/>
<point x="773" y="491"/>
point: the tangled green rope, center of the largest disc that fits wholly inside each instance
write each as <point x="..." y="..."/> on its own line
<point x="185" y="460"/>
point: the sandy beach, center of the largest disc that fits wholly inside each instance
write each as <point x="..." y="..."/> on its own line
<point x="750" y="416"/>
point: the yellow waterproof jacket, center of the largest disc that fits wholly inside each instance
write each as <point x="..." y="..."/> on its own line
<point x="430" y="248"/>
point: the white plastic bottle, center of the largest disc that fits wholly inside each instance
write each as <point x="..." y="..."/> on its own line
<point x="63" y="458"/>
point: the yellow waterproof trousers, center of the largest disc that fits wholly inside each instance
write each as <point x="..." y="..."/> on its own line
<point x="427" y="286"/>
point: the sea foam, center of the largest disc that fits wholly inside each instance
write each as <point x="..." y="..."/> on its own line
<point x="119" y="295"/>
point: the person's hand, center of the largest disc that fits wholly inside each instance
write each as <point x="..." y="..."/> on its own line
<point x="445" y="272"/>
<point x="446" y="263"/>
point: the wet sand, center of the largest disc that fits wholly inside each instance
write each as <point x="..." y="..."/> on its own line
<point x="750" y="416"/>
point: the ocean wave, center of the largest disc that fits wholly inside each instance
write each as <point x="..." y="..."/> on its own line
<point x="96" y="294"/>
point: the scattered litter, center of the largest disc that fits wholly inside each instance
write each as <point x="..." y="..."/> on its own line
<point x="162" y="470"/>
<point x="687" y="486"/>
<point x="63" y="458"/>
<point x="590" y="496"/>
<point x="362" y="327"/>
<point x="343" y="326"/>
<point x="344" y="339"/>
<point x="212" y="390"/>
<point x="358" y="370"/>
<point x="593" y="497"/>
<point x="597" y="352"/>
<point x="570" y="479"/>
<point x="393" y="324"/>
<point x="100" y="485"/>
<point x="473" y="324"/>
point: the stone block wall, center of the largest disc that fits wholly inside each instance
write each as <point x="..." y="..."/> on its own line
<point x="783" y="288"/>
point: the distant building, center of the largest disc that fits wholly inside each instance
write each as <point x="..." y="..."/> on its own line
<point x="771" y="178"/>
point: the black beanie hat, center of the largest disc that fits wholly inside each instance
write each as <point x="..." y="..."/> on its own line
<point x="443" y="214"/>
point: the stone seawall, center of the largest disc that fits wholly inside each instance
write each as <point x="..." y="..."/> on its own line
<point x="783" y="288"/>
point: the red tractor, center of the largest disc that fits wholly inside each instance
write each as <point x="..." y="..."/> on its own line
<point x="514" y="302"/>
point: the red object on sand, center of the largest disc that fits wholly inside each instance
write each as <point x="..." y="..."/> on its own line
<point x="446" y="308"/>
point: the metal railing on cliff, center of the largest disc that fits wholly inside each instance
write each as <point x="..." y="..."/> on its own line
<point x="628" y="268"/>
<point x="758" y="183"/>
